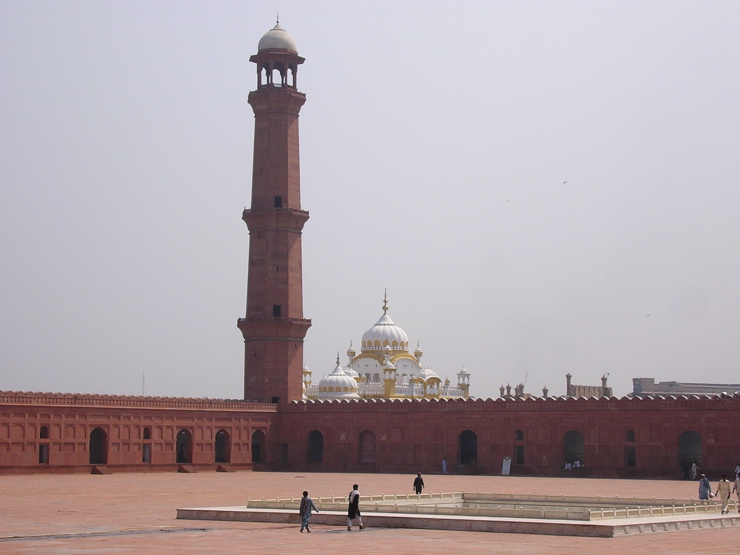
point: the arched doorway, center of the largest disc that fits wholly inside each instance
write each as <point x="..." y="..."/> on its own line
<point x="315" y="447"/>
<point x="573" y="449"/>
<point x="468" y="447"/>
<point x="258" y="446"/>
<point x="44" y="446"/>
<point x="98" y="446"/>
<point x="367" y="447"/>
<point x="689" y="449"/>
<point x="184" y="448"/>
<point x="146" y="448"/>
<point x="223" y="447"/>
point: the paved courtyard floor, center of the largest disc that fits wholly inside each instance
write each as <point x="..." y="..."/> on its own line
<point x="135" y="513"/>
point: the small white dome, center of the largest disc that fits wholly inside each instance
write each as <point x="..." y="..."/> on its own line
<point x="338" y="385"/>
<point x="385" y="334"/>
<point x="277" y="38"/>
<point x="428" y="373"/>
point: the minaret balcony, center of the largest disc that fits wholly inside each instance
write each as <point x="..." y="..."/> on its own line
<point x="275" y="219"/>
<point x="276" y="329"/>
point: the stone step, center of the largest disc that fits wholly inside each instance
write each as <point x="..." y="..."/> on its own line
<point x="604" y="529"/>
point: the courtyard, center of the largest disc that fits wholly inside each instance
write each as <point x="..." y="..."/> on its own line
<point x="127" y="513"/>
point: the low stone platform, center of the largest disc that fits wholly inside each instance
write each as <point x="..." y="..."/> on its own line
<point x="481" y="512"/>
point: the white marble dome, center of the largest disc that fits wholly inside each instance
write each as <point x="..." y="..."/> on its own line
<point x="277" y="38"/>
<point x="385" y="335"/>
<point x="427" y="374"/>
<point x="351" y="373"/>
<point x="338" y="385"/>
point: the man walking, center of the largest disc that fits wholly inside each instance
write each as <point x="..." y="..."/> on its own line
<point x="353" y="511"/>
<point x="705" y="488"/>
<point x="418" y="483"/>
<point x="723" y="491"/>
<point x="305" y="511"/>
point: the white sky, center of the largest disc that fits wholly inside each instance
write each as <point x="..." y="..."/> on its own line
<point x="434" y="145"/>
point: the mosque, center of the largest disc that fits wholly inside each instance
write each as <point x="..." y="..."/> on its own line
<point x="383" y="411"/>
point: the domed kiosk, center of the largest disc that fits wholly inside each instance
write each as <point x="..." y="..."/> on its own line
<point x="277" y="38"/>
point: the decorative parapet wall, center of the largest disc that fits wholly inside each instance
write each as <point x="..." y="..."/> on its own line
<point x="648" y="402"/>
<point x="132" y="401"/>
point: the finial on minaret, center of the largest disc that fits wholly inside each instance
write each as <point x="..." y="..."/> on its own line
<point x="277" y="19"/>
<point x="385" y="302"/>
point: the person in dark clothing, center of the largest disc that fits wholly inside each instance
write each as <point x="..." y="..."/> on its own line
<point x="353" y="512"/>
<point x="418" y="483"/>
<point x="305" y="511"/>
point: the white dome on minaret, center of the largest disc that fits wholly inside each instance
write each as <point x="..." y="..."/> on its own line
<point x="277" y="38"/>
<point x="385" y="334"/>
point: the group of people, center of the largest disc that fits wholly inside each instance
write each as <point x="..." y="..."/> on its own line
<point x="353" y="510"/>
<point x="724" y="491"/>
<point x="574" y="464"/>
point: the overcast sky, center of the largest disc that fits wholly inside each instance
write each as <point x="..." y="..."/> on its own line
<point x="542" y="187"/>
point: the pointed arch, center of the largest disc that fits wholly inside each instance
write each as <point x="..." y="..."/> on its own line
<point x="367" y="447"/>
<point x="468" y="447"/>
<point x="258" y="446"/>
<point x="98" y="446"/>
<point x="689" y="449"/>
<point x="184" y="446"/>
<point x="573" y="447"/>
<point x="222" y="447"/>
<point x="315" y="446"/>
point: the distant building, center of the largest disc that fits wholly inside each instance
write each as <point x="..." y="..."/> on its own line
<point x="385" y="369"/>
<point x="571" y="390"/>
<point x="647" y="386"/>
<point x="602" y="390"/>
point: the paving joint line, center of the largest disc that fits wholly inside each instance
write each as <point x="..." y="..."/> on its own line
<point x="102" y="533"/>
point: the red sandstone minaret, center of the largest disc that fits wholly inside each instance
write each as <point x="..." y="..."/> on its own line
<point x="274" y="326"/>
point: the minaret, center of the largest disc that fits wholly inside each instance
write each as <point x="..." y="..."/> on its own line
<point x="274" y="326"/>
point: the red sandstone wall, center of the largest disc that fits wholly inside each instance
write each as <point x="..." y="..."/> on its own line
<point x="71" y="419"/>
<point x="410" y="436"/>
<point x="415" y="436"/>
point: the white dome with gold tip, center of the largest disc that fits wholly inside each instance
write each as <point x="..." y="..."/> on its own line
<point x="385" y="334"/>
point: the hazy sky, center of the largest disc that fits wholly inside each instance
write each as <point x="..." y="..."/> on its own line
<point x="435" y="143"/>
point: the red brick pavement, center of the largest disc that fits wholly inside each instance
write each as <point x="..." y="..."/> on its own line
<point x="129" y="513"/>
